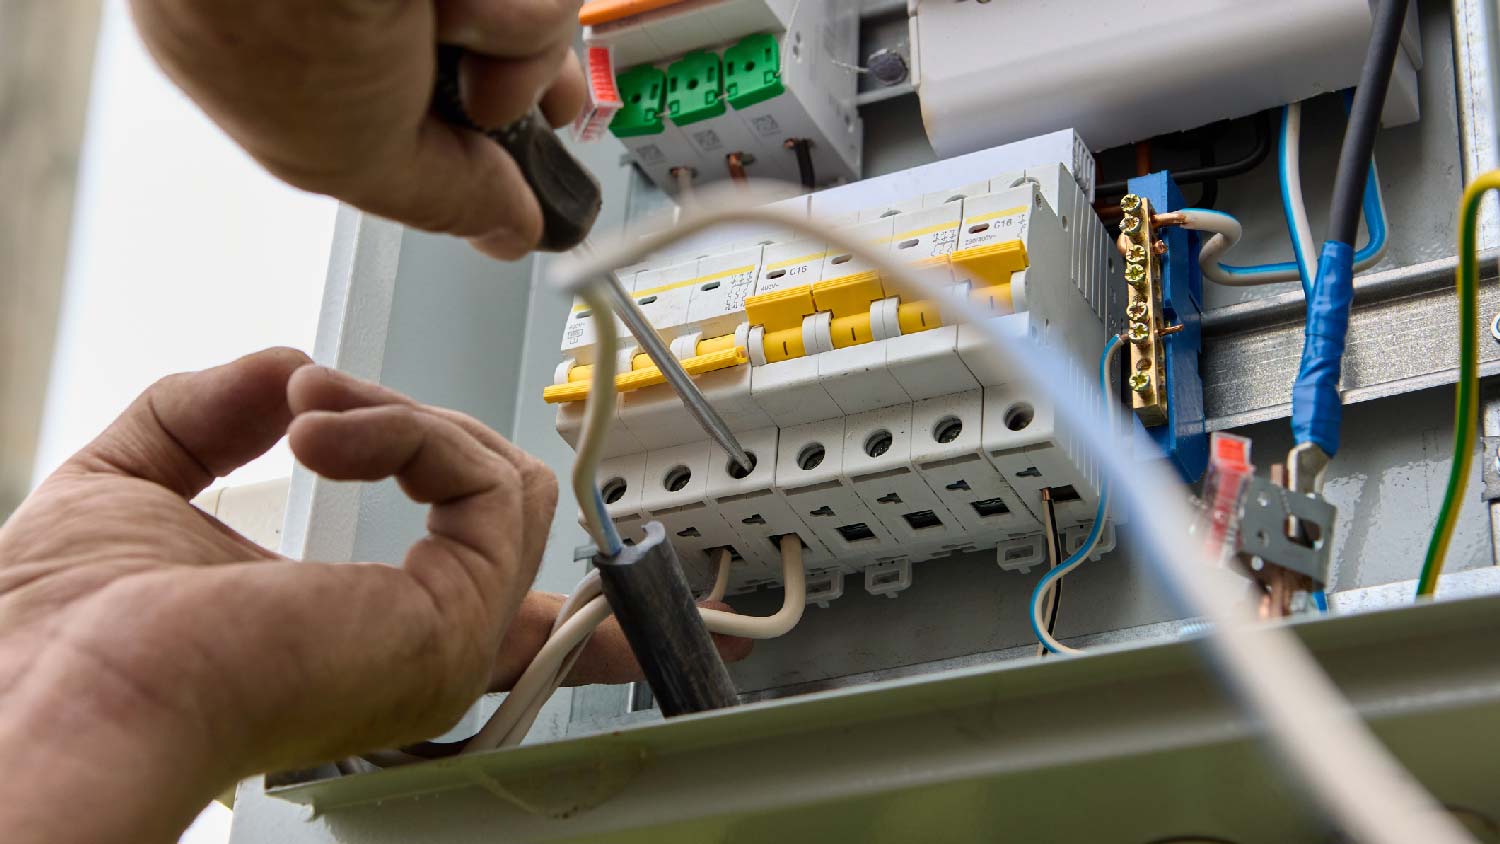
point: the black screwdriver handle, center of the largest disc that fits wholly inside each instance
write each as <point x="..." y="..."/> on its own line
<point x="567" y="192"/>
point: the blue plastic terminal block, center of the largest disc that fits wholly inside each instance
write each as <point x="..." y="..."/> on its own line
<point x="1184" y="439"/>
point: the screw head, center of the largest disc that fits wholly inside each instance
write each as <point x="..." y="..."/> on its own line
<point x="1130" y="225"/>
<point x="1139" y="332"/>
<point x="1137" y="310"/>
<point x="1159" y="247"/>
<point x="1139" y="382"/>
<point x="1137" y="254"/>
<point x="1130" y="202"/>
<point x="1135" y="273"/>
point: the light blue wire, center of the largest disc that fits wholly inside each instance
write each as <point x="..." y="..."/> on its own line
<point x="1375" y="224"/>
<point x="1100" y="513"/>
<point x="611" y="534"/>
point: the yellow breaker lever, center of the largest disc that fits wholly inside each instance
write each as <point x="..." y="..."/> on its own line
<point x="713" y="354"/>
<point x="989" y="267"/>
<point x="780" y="314"/>
<point x="848" y="299"/>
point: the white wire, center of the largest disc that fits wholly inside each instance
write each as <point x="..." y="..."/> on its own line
<point x="721" y="579"/>
<point x="598" y="413"/>
<point x="794" y="601"/>
<point x="1347" y="772"/>
<point x="1291" y="155"/>
<point x="570" y="634"/>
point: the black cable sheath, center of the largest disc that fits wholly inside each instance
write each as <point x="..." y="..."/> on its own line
<point x="651" y="600"/>
<point x="1197" y="175"/>
<point x="803" y="148"/>
<point x="1364" y="121"/>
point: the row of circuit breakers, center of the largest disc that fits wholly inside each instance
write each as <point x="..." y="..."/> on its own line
<point x="883" y="433"/>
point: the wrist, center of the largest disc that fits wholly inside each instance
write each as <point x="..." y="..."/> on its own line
<point x="75" y="773"/>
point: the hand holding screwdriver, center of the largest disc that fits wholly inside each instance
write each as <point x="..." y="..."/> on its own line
<point x="336" y="97"/>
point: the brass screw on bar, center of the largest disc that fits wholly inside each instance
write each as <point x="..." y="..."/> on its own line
<point x="1129" y="203"/>
<point x="1139" y="332"/>
<point x="1135" y="273"/>
<point x="1137" y="310"/>
<point x="1137" y="254"/>
<point x="1140" y="382"/>
<point x="1130" y="225"/>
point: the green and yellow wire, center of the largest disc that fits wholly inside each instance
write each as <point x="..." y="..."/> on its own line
<point x="1468" y="379"/>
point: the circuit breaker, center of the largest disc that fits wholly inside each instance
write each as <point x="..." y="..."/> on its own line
<point x="700" y="92"/>
<point x="882" y="432"/>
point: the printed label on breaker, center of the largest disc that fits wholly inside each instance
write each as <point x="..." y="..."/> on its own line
<point x="765" y="125"/>
<point x="708" y="140"/>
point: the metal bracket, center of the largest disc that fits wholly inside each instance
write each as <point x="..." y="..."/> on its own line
<point x="1489" y="469"/>
<point x="1266" y="514"/>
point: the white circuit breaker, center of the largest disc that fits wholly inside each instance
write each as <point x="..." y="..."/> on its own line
<point x="883" y="432"/>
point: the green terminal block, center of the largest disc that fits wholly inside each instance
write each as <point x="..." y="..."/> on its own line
<point x="695" y="88"/>
<point x="642" y="89"/>
<point x="752" y="70"/>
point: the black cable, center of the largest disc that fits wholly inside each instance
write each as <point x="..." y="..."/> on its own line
<point x="1198" y="175"/>
<point x="1054" y="539"/>
<point x="1364" y="119"/>
<point x="803" y="148"/>
<point x="1207" y="158"/>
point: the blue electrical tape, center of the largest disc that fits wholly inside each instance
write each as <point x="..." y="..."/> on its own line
<point x="1317" y="410"/>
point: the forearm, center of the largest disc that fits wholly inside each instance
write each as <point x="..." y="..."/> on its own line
<point x="606" y="659"/>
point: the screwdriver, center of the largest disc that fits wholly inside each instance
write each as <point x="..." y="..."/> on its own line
<point x="570" y="199"/>
<point x="567" y="192"/>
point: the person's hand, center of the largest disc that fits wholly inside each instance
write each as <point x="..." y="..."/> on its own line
<point x="150" y="656"/>
<point x="332" y="96"/>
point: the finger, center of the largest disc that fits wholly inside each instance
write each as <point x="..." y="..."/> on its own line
<point x="498" y="91"/>
<point x="329" y="389"/>
<point x="506" y="27"/>
<point x="188" y="429"/>
<point x="456" y="181"/>
<point x="471" y="561"/>
<point x="564" y="100"/>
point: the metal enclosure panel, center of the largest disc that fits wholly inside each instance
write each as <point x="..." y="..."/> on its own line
<point x="1140" y="741"/>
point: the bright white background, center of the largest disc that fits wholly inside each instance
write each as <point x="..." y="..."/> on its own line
<point x="184" y="254"/>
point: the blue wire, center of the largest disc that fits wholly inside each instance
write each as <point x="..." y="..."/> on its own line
<point x="1375" y="224"/>
<point x="1099" y="515"/>
<point x="607" y="528"/>
<point x="1320" y="598"/>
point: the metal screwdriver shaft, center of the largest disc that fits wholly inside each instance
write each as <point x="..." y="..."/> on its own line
<point x="671" y="369"/>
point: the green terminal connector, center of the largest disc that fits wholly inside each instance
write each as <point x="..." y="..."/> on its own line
<point x="695" y="88"/>
<point x="643" y="89"/>
<point x="752" y="70"/>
